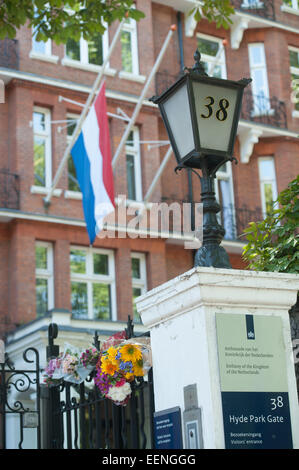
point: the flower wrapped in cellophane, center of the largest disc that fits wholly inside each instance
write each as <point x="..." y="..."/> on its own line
<point x="118" y="366"/>
<point x="72" y="365"/>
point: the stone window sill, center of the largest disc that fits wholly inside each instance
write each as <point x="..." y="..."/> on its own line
<point x="291" y="10"/>
<point x="88" y="67"/>
<point x="44" y="57"/>
<point x="44" y="191"/>
<point x="132" y="77"/>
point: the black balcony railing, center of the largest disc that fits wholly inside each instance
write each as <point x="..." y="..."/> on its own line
<point x="233" y="219"/>
<point x="9" y="190"/>
<point x="236" y="219"/>
<point x="9" y="53"/>
<point x="164" y="80"/>
<point x="264" y="8"/>
<point x="264" y="110"/>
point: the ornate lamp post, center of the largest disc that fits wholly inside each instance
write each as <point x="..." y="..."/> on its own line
<point x="201" y="115"/>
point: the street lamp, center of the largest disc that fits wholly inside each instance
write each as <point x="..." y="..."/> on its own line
<point x="201" y="115"/>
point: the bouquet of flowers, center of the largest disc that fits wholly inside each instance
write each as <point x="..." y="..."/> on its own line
<point x="118" y="366"/>
<point x="72" y="365"/>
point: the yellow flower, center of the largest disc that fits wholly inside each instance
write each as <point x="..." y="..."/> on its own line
<point x="130" y="352"/>
<point x="108" y="367"/>
<point x="129" y="375"/>
<point x="111" y="355"/>
<point x="138" y="368"/>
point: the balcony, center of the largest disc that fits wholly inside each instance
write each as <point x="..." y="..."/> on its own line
<point x="263" y="110"/>
<point x="9" y="190"/>
<point x="233" y="219"/>
<point x="263" y="8"/>
<point x="9" y="54"/>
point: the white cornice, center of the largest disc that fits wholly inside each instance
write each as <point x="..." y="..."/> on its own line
<point x="8" y="74"/>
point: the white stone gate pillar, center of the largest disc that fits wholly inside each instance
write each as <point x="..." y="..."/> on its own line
<point x="186" y="343"/>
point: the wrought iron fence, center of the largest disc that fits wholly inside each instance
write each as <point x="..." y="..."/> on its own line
<point x="263" y="110"/>
<point x="9" y="190"/>
<point x="17" y="386"/>
<point x="9" y="53"/>
<point x="233" y="219"/>
<point x="264" y="8"/>
<point x="80" y="418"/>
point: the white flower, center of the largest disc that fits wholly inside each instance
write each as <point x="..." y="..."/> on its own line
<point x="119" y="393"/>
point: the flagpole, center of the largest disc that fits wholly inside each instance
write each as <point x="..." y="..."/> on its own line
<point x="155" y="180"/>
<point x="141" y="98"/>
<point x="47" y="199"/>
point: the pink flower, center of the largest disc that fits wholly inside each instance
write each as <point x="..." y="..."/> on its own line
<point x="121" y="382"/>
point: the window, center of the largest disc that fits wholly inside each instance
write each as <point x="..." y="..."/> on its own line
<point x="138" y="262"/>
<point x="258" y="72"/>
<point x="44" y="285"/>
<point x="129" y="47"/>
<point x="225" y="197"/>
<point x="92" y="284"/>
<point x="88" y="52"/>
<point x="294" y="69"/>
<point x="267" y="184"/>
<point x="252" y="4"/>
<point x="212" y="55"/>
<point x="41" y="47"/>
<point x="291" y="3"/>
<point x="73" y="184"/>
<point x="133" y="166"/>
<point x="42" y="158"/>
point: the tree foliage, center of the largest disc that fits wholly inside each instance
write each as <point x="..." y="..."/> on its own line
<point x="273" y="244"/>
<point x="63" y="19"/>
<point x="218" y="11"/>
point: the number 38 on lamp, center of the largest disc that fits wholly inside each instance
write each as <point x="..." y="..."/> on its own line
<point x="201" y="115"/>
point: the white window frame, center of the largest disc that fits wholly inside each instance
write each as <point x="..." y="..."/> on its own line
<point x="83" y="63"/>
<point x="48" y="273"/>
<point x="256" y="4"/>
<point x="295" y="71"/>
<point x="130" y="26"/>
<point x="46" y="134"/>
<point x="90" y="278"/>
<point x="263" y="67"/>
<point x="264" y="181"/>
<point x="134" y="150"/>
<point x="221" y="60"/>
<point x="227" y="176"/>
<point x="140" y="283"/>
<point x="47" y="55"/>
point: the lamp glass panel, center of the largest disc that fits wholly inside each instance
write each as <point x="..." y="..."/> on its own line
<point x="177" y="110"/>
<point x="215" y="108"/>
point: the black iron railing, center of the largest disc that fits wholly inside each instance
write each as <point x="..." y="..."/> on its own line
<point x="9" y="53"/>
<point x="264" y="8"/>
<point x="16" y="385"/>
<point x="263" y="110"/>
<point x="9" y="190"/>
<point x="164" y="80"/>
<point x="233" y="219"/>
<point x="236" y="219"/>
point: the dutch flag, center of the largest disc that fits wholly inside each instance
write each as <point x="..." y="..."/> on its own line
<point x="91" y="154"/>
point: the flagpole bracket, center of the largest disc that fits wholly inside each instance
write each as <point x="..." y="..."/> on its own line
<point x="47" y="203"/>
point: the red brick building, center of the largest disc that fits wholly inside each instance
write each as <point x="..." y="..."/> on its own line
<point x="46" y="260"/>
